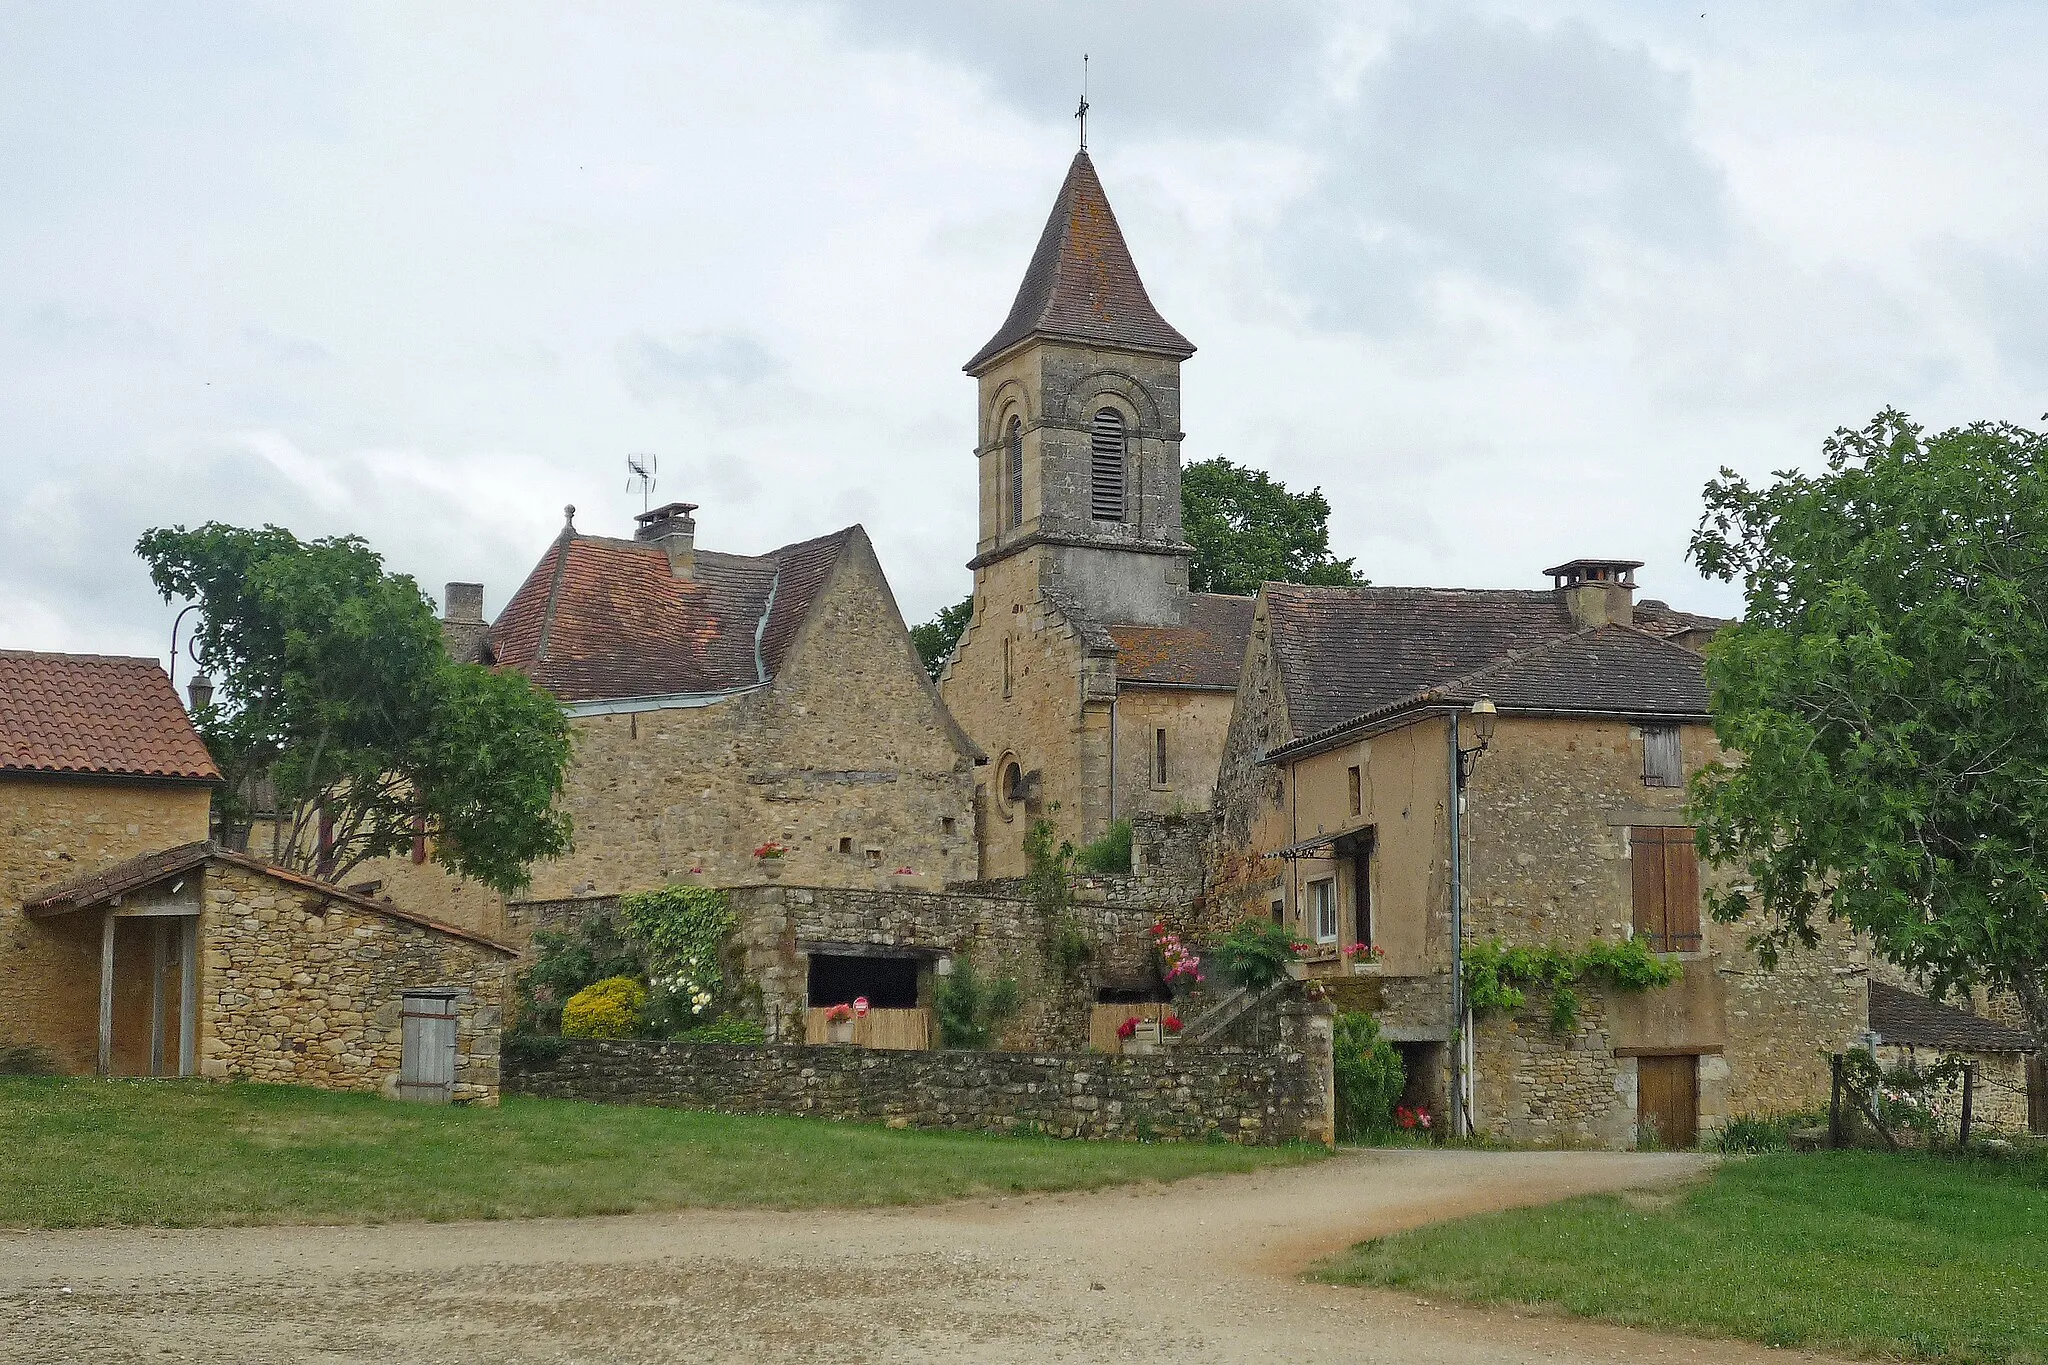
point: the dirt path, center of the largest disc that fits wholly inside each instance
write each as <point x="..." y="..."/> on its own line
<point x="1199" y="1271"/>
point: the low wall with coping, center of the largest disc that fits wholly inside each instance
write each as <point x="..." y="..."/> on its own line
<point x="1279" y="1095"/>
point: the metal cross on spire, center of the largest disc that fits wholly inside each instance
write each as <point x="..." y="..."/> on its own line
<point x="1082" y="112"/>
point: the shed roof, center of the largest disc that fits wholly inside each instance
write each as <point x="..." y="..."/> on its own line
<point x="1082" y="284"/>
<point x="140" y="873"/>
<point x="96" y="714"/>
<point x="1207" y="652"/>
<point x="1904" y="1019"/>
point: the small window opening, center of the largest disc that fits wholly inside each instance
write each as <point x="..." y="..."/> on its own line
<point x="1106" y="466"/>
<point x="1322" y="898"/>
<point x="846" y="844"/>
<point x="1279" y="912"/>
<point x="1016" y="473"/>
<point x="1006" y="667"/>
<point x="1356" y="785"/>
<point x="1159" y="758"/>
<point x="945" y="824"/>
<point x="1662" y="766"/>
<point x="874" y="857"/>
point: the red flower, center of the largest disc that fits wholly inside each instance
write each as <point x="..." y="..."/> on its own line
<point x="1172" y="1024"/>
<point x="1127" y="1029"/>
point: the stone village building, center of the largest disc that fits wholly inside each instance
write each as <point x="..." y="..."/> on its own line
<point x="1341" y="815"/>
<point x="131" y="946"/>
<point x="719" y="702"/>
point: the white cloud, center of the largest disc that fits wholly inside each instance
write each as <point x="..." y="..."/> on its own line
<point x="1509" y="281"/>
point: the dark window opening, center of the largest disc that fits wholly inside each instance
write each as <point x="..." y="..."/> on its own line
<point x="1159" y="758"/>
<point x="1106" y="466"/>
<point x="888" y="983"/>
<point x="1013" y="783"/>
<point x="1356" y="785"/>
<point x="846" y="844"/>
<point x="1152" y="992"/>
<point x="1279" y="912"/>
<point x="945" y="824"/>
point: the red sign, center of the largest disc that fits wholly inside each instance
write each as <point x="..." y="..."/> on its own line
<point x="860" y="1006"/>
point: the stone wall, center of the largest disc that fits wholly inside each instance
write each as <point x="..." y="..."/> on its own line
<point x="1196" y="722"/>
<point x="1281" y="1095"/>
<point x="305" y="989"/>
<point x="51" y="830"/>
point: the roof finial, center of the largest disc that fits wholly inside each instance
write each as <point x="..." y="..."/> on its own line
<point x="569" y="517"/>
<point x="1082" y="112"/>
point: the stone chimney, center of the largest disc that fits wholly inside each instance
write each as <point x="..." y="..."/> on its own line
<point x="675" y="531"/>
<point x="1598" y="592"/>
<point x="462" y="620"/>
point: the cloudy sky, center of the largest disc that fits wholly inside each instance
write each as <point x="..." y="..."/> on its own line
<point x="1508" y="281"/>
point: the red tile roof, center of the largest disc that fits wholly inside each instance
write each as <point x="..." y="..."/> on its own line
<point x="1082" y="284"/>
<point x="1207" y="652"/>
<point x="97" y="888"/>
<point x="92" y="713"/>
<point x="600" y="619"/>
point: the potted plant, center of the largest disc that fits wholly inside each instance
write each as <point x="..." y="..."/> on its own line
<point x="1140" y="1037"/>
<point x="839" y="1024"/>
<point x="1179" y="967"/>
<point x="1365" y="958"/>
<point x="770" y="856"/>
<point x="1170" y="1024"/>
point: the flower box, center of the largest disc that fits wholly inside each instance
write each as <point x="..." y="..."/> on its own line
<point x="1365" y="969"/>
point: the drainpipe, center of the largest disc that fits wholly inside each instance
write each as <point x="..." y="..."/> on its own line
<point x="1460" y="1119"/>
<point x="1112" y="758"/>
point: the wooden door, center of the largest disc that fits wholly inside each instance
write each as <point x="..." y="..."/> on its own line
<point x="426" y="1067"/>
<point x="1668" y="1101"/>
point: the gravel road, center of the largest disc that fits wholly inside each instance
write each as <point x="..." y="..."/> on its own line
<point x="1204" y="1270"/>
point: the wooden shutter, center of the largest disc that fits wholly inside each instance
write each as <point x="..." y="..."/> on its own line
<point x="1646" y="855"/>
<point x="1662" y="766"/>
<point x="1666" y="887"/>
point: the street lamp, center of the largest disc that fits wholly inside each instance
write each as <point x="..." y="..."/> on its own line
<point x="1483" y="717"/>
<point x="200" y="690"/>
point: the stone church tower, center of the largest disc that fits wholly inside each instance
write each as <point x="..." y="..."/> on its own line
<point x="1096" y="683"/>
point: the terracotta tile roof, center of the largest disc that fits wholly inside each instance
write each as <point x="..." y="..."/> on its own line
<point x="83" y="893"/>
<point x="1348" y="654"/>
<point x="1904" y="1019"/>
<point x="604" y="619"/>
<point x="1206" y="652"/>
<point x="92" y="713"/>
<point x="1082" y="284"/>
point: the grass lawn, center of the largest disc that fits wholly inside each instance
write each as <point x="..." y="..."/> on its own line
<point x="81" y="1153"/>
<point x="1925" y="1257"/>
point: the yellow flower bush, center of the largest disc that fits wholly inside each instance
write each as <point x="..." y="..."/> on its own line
<point x="608" y="1009"/>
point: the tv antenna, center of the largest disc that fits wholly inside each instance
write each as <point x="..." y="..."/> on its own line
<point x="640" y="470"/>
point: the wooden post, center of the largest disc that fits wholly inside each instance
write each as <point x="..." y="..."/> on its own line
<point x="106" y="1059"/>
<point x="188" y="999"/>
<point x="159" y="953"/>
<point x="1969" y="1086"/>
<point x="1835" y="1100"/>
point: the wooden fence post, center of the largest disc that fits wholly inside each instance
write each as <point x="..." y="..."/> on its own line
<point x="1969" y="1085"/>
<point x="1835" y="1100"/>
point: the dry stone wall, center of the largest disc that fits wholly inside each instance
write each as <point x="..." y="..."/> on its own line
<point x="1260" y="1097"/>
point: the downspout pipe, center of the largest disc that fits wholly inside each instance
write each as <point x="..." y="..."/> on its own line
<point x="1460" y="1120"/>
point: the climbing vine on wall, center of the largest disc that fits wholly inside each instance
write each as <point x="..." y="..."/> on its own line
<point x="685" y="930"/>
<point x="1499" y="978"/>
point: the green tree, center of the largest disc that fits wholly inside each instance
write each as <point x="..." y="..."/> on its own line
<point x="971" y="1010"/>
<point x="1888" y="693"/>
<point x="1247" y="529"/>
<point x="331" y="679"/>
<point x="935" y="638"/>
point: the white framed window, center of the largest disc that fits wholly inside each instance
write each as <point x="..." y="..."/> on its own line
<point x="1322" y="908"/>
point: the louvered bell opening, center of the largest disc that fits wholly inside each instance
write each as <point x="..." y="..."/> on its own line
<point x="1106" y="470"/>
<point x="1016" y="480"/>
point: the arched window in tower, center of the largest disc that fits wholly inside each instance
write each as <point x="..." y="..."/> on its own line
<point x="1106" y="468"/>
<point x="1016" y="473"/>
